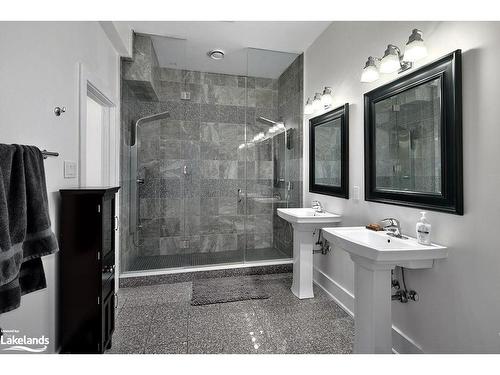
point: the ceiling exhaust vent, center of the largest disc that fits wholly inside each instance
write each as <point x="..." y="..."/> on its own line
<point x="216" y="54"/>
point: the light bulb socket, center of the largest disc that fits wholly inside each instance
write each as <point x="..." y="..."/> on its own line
<point x="370" y="62"/>
<point x="392" y="50"/>
<point x="416" y="35"/>
<point x="316" y="104"/>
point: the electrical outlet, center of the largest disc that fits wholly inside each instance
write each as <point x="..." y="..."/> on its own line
<point x="69" y="169"/>
<point x="355" y="193"/>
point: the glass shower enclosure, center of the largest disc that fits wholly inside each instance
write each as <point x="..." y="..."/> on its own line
<point x="213" y="149"/>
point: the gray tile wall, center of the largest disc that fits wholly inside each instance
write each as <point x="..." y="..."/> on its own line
<point x="128" y="250"/>
<point x="141" y="72"/>
<point x="204" y="135"/>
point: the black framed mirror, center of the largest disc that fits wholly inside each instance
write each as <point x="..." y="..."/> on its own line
<point x="329" y="153"/>
<point x="413" y="139"/>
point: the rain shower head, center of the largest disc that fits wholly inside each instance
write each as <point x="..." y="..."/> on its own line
<point x="143" y="120"/>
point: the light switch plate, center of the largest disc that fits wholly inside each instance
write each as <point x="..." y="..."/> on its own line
<point x="69" y="169"/>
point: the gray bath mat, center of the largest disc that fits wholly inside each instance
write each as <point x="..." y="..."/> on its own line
<point x="226" y="289"/>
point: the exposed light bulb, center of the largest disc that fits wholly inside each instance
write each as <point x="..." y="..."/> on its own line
<point x="327" y="98"/>
<point x="308" y="109"/>
<point x="316" y="104"/>
<point x="370" y="71"/>
<point x="415" y="48"/>
<point x="390" y="62"/>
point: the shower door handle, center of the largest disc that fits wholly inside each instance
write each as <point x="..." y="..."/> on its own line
<point x="239" y="195"/>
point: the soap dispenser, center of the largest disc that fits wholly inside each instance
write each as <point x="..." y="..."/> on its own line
<point x="424" y="230"/>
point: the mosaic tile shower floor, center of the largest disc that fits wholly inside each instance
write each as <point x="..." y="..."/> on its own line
<point x="159" y="319"/>
<point x="155" y="262"/>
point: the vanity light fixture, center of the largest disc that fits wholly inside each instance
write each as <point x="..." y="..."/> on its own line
<point x="320" y="101"/>
<point x="316" y="104"/>
<point x="393" y="60"/>
<point x="415" y="48"/>
<point x="308" y="109"/>
<point x="327" y="98"/>
<point x="390" y="61"/>
<point x="370" y="71"/>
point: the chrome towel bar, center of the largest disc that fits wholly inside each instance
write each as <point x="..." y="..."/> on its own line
<point x="46" y="154"/>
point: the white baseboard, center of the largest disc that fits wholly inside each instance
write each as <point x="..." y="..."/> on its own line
<point x="402" y="344"/>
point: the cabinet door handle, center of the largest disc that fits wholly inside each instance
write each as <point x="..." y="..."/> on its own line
<point x="108" y="269"/>
<point x="116" y="223"/>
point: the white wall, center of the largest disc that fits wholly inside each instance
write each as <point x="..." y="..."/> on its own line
<point x="459" y="307"/>
<point x="38" y="71"/>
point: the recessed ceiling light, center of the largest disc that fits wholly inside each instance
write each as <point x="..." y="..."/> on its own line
<point x="216" y="54"/>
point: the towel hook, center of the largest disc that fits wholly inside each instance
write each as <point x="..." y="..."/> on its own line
<point x="59" y="110"/>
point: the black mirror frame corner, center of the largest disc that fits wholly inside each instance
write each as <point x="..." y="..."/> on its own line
<point x="449" y="68"/>
<point x="341" y="191"/>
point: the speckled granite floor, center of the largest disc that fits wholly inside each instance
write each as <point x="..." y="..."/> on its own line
<point x="159" y="319"/>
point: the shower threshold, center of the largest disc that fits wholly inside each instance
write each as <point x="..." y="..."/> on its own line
<point x="165" y="264"/>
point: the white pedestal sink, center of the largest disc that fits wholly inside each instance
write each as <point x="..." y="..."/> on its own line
<point x="304" y="221"/>
<point x="374" y="255"/>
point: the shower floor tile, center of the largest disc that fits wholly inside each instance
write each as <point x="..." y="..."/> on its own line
<point x="154" y="262"/>
<point x="282" y="324"/>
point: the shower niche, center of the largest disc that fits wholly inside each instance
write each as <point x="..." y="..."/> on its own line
<point x="209" y="160"/>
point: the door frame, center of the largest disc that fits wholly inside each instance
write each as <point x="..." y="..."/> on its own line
<point x="92" y="86"/>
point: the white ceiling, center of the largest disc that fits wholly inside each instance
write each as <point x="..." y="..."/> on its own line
<point x="189" y="41"/>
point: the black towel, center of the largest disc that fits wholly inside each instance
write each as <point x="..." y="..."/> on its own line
<point x="25" y="231"/>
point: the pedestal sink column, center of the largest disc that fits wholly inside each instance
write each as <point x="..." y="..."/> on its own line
<point x="372" y="309"/>
<point x="302" y="285"/>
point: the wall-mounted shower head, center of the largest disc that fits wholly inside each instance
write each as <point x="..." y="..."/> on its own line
<point x="267" y="121"/>
<point x="143" y="120"/>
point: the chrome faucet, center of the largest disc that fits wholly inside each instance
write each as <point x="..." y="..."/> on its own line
<point x="316" y="206"/>
<point x="392" y="226"/>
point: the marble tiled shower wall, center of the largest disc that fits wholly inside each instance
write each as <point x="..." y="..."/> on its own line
<point x="204" y="134"/>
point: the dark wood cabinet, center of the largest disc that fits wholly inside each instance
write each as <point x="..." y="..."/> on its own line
<point x="87" y="269"/>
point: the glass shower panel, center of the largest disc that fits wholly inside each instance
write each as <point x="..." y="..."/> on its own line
<point x="205" y="182"/>
<point x="272" y="168"/>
